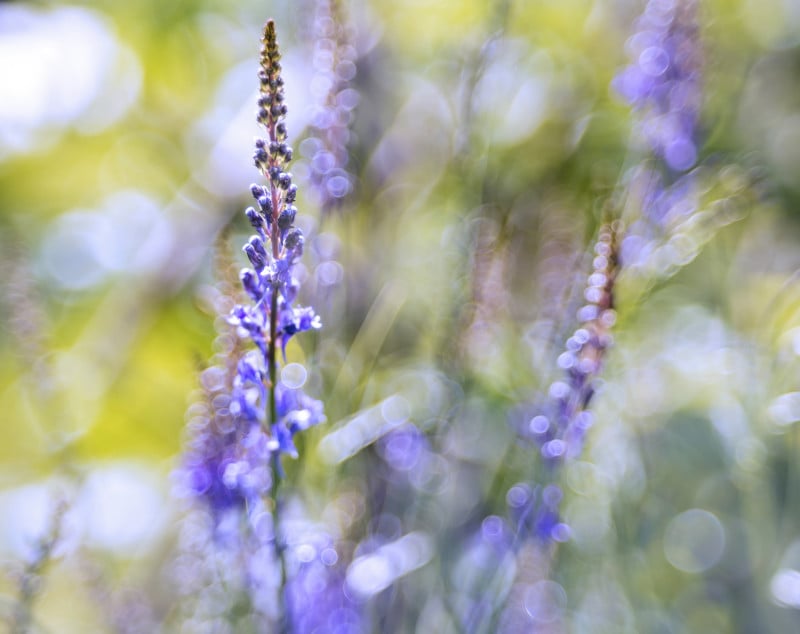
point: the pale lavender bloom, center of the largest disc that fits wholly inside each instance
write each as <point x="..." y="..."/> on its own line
<point x="316" y="596"/>
<point x="327" y="150"/>
<point x="663" y="84"/>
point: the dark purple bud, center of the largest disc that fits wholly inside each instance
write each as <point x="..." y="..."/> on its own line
<point x="258" y="245"/>
<point x="251" y="284"/>
<point x="260" y="156"/>
<point x="290" y="329"/>
<point x="284" y="180"/>
<point x="281" y="129"/>
<point x="256" y="253"/>
<point x="265" y="204"/>
<point x="265" y="101"/>
<point x="276" y="110"/>
<point x="294" y="241"/>
<point x="255" y="218"/>
<point x="274" y="173"/>
<point x="287" y="217"/>
<point x="257" y="191"/>
<point x="291" y="194"/>
<point x="287" y="153"/>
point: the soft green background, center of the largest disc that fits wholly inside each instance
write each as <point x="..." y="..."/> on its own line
<point x="488" y="142"/>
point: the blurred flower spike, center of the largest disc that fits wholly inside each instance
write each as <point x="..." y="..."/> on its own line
<point x="560" y="427"/>
<point x="327" y="150"/>
<point x="583" y="358"/>
<point x="663" y="82"/>
<point x="667" y="190"/>
<point x="263" y="413"/>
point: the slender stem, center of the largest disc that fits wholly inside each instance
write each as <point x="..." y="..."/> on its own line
<point x="272" y="366"/>
<point x="275" y="233"/>
<point x="30" y="583"/>
<point x="285" y="626"/>
<point x="284" y="618"/>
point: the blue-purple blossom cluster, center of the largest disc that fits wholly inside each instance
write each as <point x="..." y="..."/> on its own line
<point x="214" y="437"/>
<point x="228" y="577"/>
<point x="250" y="411"/>
<point x="216" y="443"/>
<point x="663" y="82"/>
<point x="335" y="68"/>
<point x="251" y="414"/>
<point x="274" y="411"/>
<point x="316" y="595"/>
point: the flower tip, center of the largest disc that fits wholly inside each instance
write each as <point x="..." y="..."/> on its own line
<point x="271" y="40"/>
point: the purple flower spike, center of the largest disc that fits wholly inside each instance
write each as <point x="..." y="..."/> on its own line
<point x="560" y="427"/>
<point x="274" y="253"/>
<point x="251" y="418"/>
<point x="663" y="84"/>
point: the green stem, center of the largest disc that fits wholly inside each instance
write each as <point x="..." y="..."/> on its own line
<point x="285" y="621"/>
<point x="285" y="626"/>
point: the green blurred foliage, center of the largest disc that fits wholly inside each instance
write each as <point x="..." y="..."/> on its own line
<point x="488" y="147"/>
